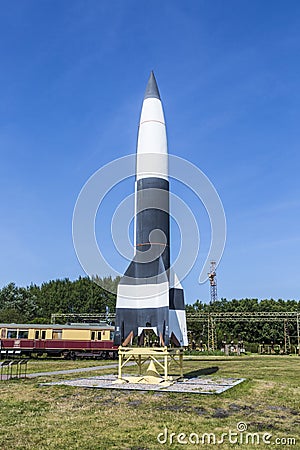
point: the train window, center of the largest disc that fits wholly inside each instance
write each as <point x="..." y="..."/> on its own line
<point x="57" y="334"/>
<point x="11" y="334"/>
<point x="43" y="334"/>
<point x="99" y="336"/>
<point x="93" y="334"/>
<point x="37" y="334"/>
<point x="111" y="335"/>
<point x="23" y="334"/>
<point x="3" y="333"/>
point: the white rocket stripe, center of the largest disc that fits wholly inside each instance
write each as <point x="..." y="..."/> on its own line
<point x="152" y="110"/>
<point x="152" y="141"/>
<point x="143" y="296"/>
<point x="152" y="165"/>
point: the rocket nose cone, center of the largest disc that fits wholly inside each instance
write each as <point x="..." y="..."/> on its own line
<point x="152" y="89"/>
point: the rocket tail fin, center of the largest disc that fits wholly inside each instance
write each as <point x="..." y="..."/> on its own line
<point x="177" y="316"/>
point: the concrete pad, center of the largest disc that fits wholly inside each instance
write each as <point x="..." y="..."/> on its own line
<point x="197" y="385"/>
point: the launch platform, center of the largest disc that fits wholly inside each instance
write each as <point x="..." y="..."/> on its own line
<point x="157" y="357"/>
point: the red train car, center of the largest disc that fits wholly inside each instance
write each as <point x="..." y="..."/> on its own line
<point x="71" y="341"/>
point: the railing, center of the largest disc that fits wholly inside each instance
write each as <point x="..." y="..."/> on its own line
<point x="13" y="369"/>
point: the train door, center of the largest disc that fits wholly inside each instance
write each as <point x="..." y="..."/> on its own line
<point x="39" y="339"/>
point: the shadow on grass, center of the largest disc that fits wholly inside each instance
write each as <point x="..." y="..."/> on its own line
<point x="201" y="372"/>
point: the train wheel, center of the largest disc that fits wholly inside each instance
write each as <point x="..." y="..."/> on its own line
<point x="69" y="355"/>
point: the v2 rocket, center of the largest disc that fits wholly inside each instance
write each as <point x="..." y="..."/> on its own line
<point x="150" y="296"/>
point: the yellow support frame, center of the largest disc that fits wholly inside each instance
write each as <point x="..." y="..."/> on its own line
<point x="140" y="355"/>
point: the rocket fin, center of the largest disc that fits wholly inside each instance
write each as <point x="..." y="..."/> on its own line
<point x="177" y="317"/>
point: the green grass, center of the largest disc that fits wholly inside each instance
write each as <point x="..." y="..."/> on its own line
<point x="60" y="417"/>
<point x="50" y="365"/>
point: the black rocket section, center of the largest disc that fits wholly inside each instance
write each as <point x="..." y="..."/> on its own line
<point x="153" y="215"/>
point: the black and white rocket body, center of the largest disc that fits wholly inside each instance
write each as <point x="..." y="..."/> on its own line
<point x="150" y="297"/>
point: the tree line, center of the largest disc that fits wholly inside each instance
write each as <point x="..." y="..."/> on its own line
<point x="249" y="332"/>
<point x="36" y="303"/>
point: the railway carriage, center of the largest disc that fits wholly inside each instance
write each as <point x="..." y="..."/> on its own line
<point x="71" y="341"/>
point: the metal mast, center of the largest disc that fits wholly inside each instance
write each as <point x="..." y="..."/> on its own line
<point x="211" y="334"/>
<point x="213" y="282"/>
<point x="287" y="340"/>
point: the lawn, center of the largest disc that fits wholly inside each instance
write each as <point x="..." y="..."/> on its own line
<point x="59" y="417"/>
<point x="46" y="365"/>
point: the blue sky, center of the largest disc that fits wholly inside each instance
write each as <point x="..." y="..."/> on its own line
<point x="72" y="79"/>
